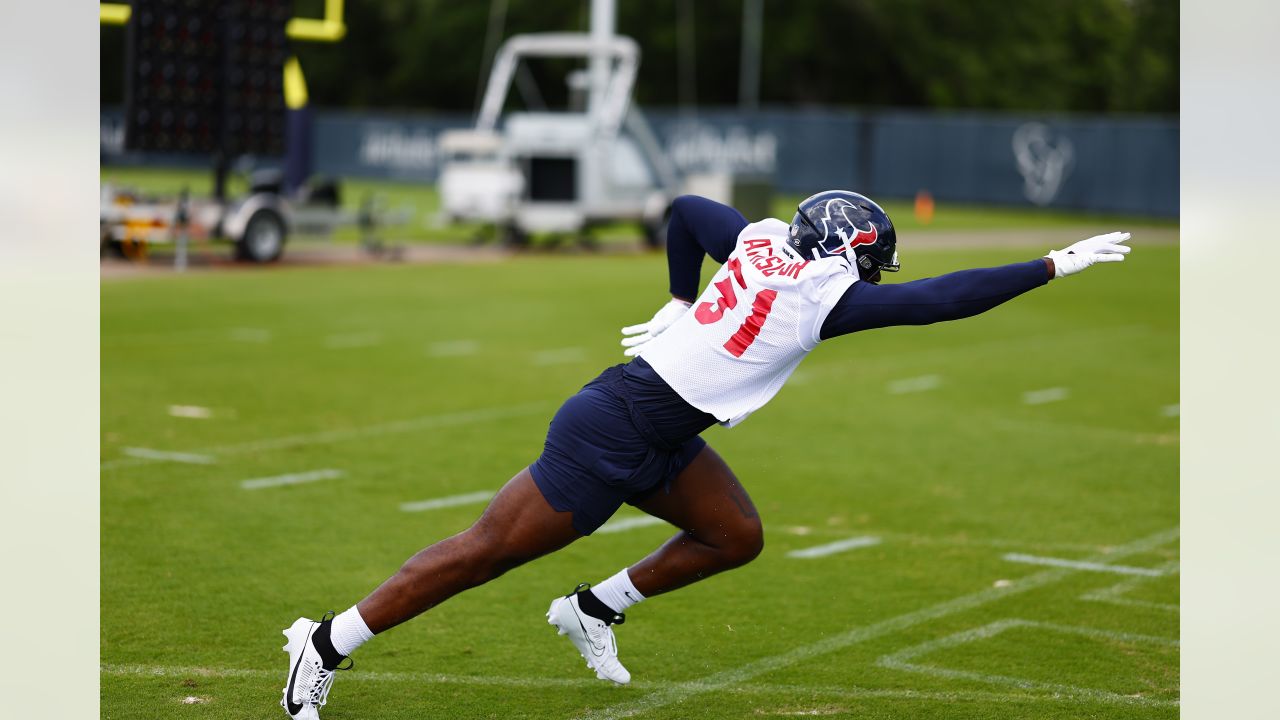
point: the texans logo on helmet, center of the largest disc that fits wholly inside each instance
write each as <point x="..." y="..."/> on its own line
<point x="860" y="236"/>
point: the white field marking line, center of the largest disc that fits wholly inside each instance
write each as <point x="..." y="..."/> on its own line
<point x="425" y="422"/>
<point x="1082" y="565"/>
<point x="250" y="335"/>
<point x="914" y="384"/>
<point x="470" y="498"/>
<point x="1037" y="425"/>
<point x="631" y="523"/>
<point x="1115" y="593"/>
<point x="1047" y="395"/>
<point x="195" y="412"/>
<point x="943" y="540"/>
<point x="559" y="356"/>
<point x="346" y="341"/>
<point x="163" y="671"/>
<point x="1170" y="410"/>
<point x="453" y="348"/>
<point x="835" y="547"/>
<point x="901" y="660"/>
<point x="291" y="479"/>
<point x="720" y="680"/>
<point x="149" y="454"/>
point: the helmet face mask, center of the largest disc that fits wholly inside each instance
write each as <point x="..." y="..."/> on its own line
<point x="839" y="223"/>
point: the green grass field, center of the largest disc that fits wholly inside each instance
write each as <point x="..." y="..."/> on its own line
<point x="421" y="382"/>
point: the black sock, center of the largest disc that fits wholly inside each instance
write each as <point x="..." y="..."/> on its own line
<point x="329" y="656"/>
<point x="596" y="608"/>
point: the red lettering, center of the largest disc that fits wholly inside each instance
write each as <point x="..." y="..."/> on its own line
<point x="750" y="328"/>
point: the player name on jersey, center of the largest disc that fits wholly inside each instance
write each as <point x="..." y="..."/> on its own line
<point x="760" y="253"/>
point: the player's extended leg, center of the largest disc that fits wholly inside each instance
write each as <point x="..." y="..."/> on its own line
<point x="720" y="528"/>
<point x="517" y="527"/>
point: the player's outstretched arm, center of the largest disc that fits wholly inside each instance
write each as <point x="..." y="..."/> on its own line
<point x="962" y="294"/>
<point x="698" y="227"/>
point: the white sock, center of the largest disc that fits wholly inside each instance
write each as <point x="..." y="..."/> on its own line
<point x="349" y="632"/>
<point x="617" y="592"/>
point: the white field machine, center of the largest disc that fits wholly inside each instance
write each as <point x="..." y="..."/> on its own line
<point x="560" y="172"/>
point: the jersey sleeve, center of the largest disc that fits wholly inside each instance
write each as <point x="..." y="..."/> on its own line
<point x="956" y="295"/>
<point x="698" y="227"/>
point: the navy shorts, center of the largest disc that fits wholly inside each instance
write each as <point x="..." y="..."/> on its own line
<point x="601" y="452"/>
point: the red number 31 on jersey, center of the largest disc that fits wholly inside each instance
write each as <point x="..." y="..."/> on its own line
<point x="711" y="312"/>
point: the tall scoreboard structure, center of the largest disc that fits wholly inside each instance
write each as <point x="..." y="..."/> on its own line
<point x="208" y="77"/>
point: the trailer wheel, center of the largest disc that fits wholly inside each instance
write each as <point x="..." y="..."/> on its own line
<point x="263" y="239"/>
<point x="512" y="237"/>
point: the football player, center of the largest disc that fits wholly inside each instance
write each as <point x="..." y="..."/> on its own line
<point x="631" y="435"/>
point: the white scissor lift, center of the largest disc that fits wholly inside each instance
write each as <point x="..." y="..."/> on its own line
<point x="560" y="172"/>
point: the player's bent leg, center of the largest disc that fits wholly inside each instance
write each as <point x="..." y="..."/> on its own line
<point x="720" y="528"/>
<point x="517" y="526"/>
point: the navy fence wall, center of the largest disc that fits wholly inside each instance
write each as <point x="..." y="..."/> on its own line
<point x="1093" y="163"/>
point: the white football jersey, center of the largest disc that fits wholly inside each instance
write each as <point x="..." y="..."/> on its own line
<point x="755" y="322"/>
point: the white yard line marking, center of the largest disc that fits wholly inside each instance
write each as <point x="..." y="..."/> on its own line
<point x="1170" y="410"/>
<point x="914" y="384"/>
<point x="250" y="335"/>
<point x="449" y="501"/>
<point x="1047" y="395"/>
<point x="559" y="356"/>
<point x="835" y="547"/>
<point x="426" y="422"/>
<point x="734" y="676"/>
<point x="1115" y="594"/>
<point x="411" y="678"/>
<point x="901" y="660"/>
<point x="291" y="479"/>
<point x="631" y="523"/>
<point x="151" y="455"/>
<point x="453" y="348"/>
<point x="194" y="412"/>
<point x="352" y="340"/>
<point x="1083" y="565"/>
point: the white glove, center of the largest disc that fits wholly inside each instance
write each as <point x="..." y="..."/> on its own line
<point x="1097" y="249"/>
<point x="638" y="335"/>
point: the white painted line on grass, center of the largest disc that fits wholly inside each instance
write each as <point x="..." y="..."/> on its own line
<point x="631" y="523"/>
<point x="835" y="547"/>
<point x="1047" y="395"/>
<point x="1115" y="594"/>
<point x="195" y="412"/>
<point x="453" y="348"/>
<point x="352" y="340"/>
<point x="559" y="356"/>
<point x="449" y="501"/>
<point x="1170" y="410"/>
<point x="665" y="696"/>
<point x="291" y="479"/>
<point x="914" y="384"/>
<point x="250" y="335"/>
<point x="1083" y="565"/>
<point x="901" y="660"/>
<point x="149" y="454"/>
<point x="412" y="678"/>
<point x="425" y="422"/>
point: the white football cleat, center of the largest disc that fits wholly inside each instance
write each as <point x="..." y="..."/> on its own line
<point x="308" y="684"/>
<point x="593" y="638"/>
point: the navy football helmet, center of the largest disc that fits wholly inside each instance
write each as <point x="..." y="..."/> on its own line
<point x="844" y="223"/>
